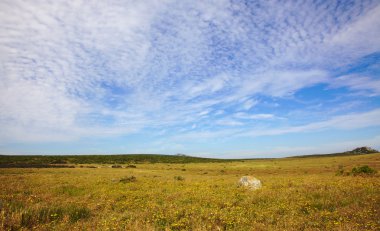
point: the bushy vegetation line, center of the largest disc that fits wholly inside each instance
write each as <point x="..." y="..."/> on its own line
<point x="364" y="170"/>
<point x="67" y="161"/>
<point x="62" y="161"/>
<point x="33" y="165"/>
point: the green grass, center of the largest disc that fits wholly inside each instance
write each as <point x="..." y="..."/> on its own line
<point x="297" y="194"/>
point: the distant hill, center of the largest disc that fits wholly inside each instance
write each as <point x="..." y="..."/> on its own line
<point x="356" y="151"/>
<point x="363" y="150"/>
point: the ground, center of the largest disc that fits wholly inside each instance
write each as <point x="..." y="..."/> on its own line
<point x="297" y="194"/>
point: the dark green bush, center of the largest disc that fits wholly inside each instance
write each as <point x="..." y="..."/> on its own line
<point x="363" y="170"/>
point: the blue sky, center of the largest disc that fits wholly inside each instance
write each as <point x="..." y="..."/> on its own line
<point x="227" y="79"/>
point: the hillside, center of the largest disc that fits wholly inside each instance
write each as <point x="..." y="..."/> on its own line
<point x="356" y="151"/>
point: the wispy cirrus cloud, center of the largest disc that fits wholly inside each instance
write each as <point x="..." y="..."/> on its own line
<point x="358" y="83"/>
<point x="345" y="122"/>
<point x="73" y="70"/>
<point x="242" y="115"/>
<point x="341" y="122"/>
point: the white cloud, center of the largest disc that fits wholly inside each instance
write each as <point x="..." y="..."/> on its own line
<point x="250" y="103"/>
<point x="205" y="87"/>
<point x="81" y="69"/>
<point x="359" y="37"/>
<point x="342" y="122"/>
<point x="242" y="115"/>
<point x="229" y="122"/>
<point x="282" y="83"/>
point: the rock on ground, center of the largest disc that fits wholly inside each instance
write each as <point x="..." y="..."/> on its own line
<point x="250" y="182"/>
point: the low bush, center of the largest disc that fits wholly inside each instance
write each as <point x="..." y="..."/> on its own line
<point x="180" y="178"/>
<point x="127" y="179"/>
<point x="363" y="170"/>
<point x="131" y="166"/>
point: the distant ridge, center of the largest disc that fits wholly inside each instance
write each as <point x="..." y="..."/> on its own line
<point x="50" y="160"/>
<point x="356" y="151"/>
<point x="363" y="150"/>
<point x="57" y="161"/>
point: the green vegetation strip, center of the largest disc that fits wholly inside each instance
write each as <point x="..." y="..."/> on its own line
<point x="54" y="161"/>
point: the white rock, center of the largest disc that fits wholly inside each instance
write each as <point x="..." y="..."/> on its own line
<point x="250" y="182"/>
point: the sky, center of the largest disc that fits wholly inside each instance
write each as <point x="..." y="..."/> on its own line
<point x="214" y="78"/>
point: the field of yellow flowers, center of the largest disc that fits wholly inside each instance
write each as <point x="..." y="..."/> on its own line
<point x="297" y="194"/>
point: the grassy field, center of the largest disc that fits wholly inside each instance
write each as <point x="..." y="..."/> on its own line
<point x="297" y="194"/>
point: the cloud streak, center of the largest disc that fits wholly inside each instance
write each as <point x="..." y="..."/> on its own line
<point x="344" y="122"/>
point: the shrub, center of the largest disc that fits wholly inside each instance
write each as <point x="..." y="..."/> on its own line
<point x="179" y="178"/>
<point x="127" y="179"/>
<point x="363" y="170"/>
<point x="131" y="166"/>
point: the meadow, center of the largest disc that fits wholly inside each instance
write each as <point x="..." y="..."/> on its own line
<point x="313" y="193"/>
